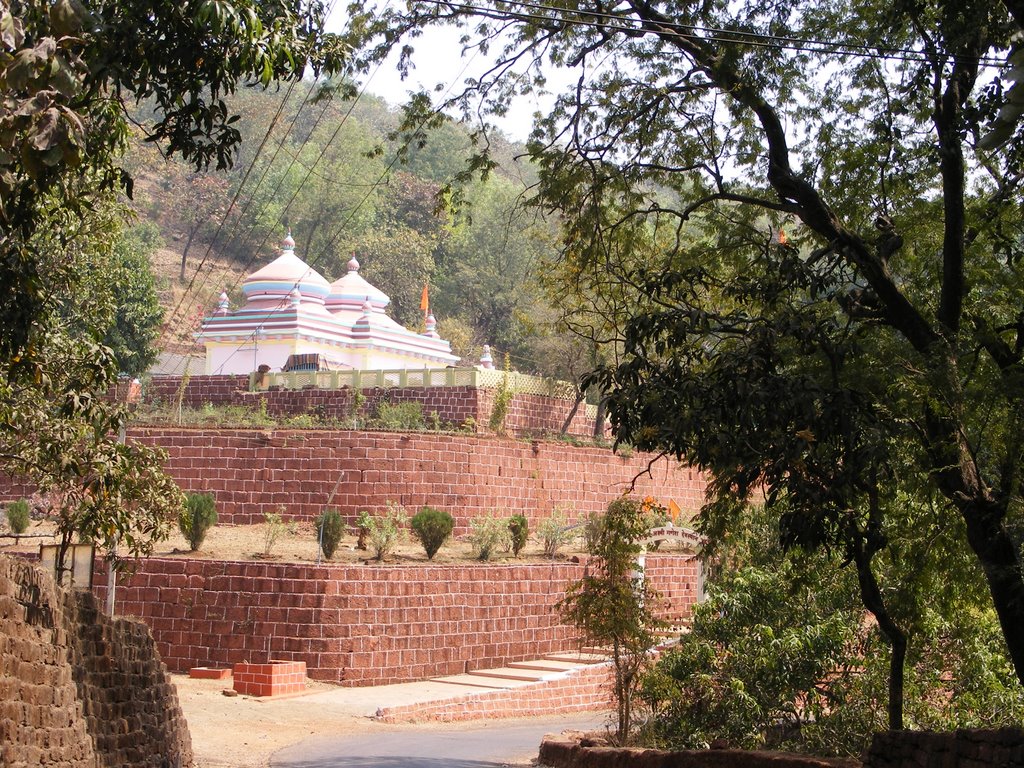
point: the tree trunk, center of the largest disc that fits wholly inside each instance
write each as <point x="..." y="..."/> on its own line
<point x="999" y="559"/>
<point x="871" y="596"/>
<point x="184" y="252"/>
<point x="599" y="418"/>
<point x="580" y="395"/>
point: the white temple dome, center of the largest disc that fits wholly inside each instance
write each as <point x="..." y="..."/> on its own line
<point x="352" y="291"/>
<point x="283" y="274"/>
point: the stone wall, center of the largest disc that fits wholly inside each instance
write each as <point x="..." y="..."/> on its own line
<point x="77" y="689"/>
<point x="968" y="748"/>
<point x="364" y="625"/>
<point x="252" y="472"/>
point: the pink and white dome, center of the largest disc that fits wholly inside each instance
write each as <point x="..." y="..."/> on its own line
<point x="351" y="291"/>
<point x="286" y="273"/>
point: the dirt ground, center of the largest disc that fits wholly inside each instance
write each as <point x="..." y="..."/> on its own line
<point x="294" y="543"/>
<point x="244" y="732"/>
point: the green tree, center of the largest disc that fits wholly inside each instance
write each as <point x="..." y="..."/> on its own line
<point x="614" y="606"/>
<point x="779" y="655"/>
<point x="138" y="316"/>
<point x="67" y="73"/>
<point x="896" y="288"/>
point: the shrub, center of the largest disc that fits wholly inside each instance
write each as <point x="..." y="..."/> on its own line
<point x="329" y="530"/>
<point x="554" y="533"/>
<point x="275" y="525"/>
<point x="519" y="533"/>
<point x="18" y="516"/>
<point x="385" y="531"/>
<point x="198" y="516"/>
<point x="486" y="534"/>
<point x="364" y="521"/>
<point x="432" y="527"/>
<point x="592" y="530"/>
<point x="399" y="416"/>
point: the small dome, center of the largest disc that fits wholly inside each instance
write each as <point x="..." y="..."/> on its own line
<point x="352" y="291"/>
<point x="287" y="272"/>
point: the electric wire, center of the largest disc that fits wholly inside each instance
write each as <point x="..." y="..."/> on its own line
<point x="714" y="34"/>
<point x="311" y="264"/>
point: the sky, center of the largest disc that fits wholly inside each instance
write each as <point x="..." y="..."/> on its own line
<point x="439" y="59"/>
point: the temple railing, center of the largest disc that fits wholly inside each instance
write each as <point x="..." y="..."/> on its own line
<point x="414" y="377"/>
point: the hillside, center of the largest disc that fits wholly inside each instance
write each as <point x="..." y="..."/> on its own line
<point x="337" y="177"/>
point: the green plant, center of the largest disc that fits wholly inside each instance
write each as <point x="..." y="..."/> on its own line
<point x="401" y="416"/>
<point x="613" y="605"/>
<point x="468" y="425"/>
<point x="364" y="521"/>
<point x="329" y="530"/>
<point x="554" y="533"/>
<point x="197" y="516"/>
<point x="432" y="527"/>
<point x="274" y="527"/>
<point x="486" y="534"/>
<point x="592" y="529"/>
<point x="502" y="400"/>
<point x="18" y="516"/>
<point x="434" y="422"/>
<point x="519" y="533"/>
<point x="385" y="531"/>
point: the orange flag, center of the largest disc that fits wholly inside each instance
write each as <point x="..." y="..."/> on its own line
<point x="424" y="299"/>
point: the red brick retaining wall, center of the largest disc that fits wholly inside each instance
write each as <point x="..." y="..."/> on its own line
<point x="252" y="472"/>
<point x="527" y="414"/>
<point x="587" y="689"/>
<point x="359" y="625"/>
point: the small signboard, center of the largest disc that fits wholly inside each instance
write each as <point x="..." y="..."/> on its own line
<point x="78" y="560"/>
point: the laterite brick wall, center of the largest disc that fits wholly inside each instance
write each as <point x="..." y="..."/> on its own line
<point x="252" y="472"/>
<point x="77" y="689"/>
<point x="359" y="625"/>
<point x="199" y="390"/>
<point x="527" y="414"/>
<point x="586" y="689"/>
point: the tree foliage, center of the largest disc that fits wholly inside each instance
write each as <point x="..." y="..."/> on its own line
<point x="825" y="264"/>
<point x="780" y="656"/>
<point x="67" y="74"/>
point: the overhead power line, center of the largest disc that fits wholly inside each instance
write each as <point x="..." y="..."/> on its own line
<point x="627" y="24"/>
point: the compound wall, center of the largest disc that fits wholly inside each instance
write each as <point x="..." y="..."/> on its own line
<point x="367" y="625"/>
<point x="252" y="472"/>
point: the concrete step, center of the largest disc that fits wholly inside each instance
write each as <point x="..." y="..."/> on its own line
<point x="577" y="658"/>
<point x="546" y="665"/>
<point x="469" y="680"/>
<point x="509" y="673"/>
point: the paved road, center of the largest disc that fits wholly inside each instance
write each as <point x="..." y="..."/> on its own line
<point x="473" y="746"/>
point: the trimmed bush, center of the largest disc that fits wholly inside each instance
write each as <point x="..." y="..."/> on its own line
<point x="519" y="533"/>
<point x="18" y="516"/>
<point x="432" y="527"/>
<point x="329" y="530"/>
<point x="198" y="516"/>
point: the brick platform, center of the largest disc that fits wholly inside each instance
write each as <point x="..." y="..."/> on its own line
<point x="276" y="678"/>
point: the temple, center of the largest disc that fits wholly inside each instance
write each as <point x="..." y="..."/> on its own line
<point x="293" y="319"/>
